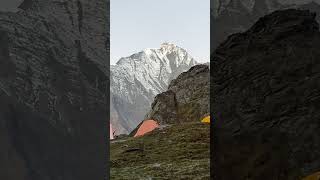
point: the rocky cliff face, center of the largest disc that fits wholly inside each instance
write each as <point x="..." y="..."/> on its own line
<point x="266" y="99"/>
<point x="54" y="90"/>
<point x="187" y="98"/>
<point x="137" y="79"/>
<point x="234" y="16"/>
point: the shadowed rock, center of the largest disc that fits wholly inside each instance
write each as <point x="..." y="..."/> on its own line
<point x="265" y="99"/>
<point x="54" y="90"/>
<point x="187" y="98"/>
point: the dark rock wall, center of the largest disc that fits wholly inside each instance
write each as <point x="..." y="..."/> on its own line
<point x="266" y="99"/>
<point x="54" y="90"/>
<point x="187" y="98"/>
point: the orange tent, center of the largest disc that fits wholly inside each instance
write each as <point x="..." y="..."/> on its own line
<point x="111" y="132"/>
<point x="145" y="127"/>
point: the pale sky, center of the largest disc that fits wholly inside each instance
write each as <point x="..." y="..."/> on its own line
<point x="139" y="24"/>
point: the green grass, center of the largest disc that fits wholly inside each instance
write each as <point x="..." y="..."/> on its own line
<point x="179" y="151"/>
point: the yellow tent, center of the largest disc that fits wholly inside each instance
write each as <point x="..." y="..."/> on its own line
<point x="315" y="176"/>
<point x="206" y="119"/>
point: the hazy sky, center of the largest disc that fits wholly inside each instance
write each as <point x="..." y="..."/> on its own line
<point x="139" y="24"/>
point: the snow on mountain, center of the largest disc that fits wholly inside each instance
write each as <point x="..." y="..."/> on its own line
<point x="137" y="79"/>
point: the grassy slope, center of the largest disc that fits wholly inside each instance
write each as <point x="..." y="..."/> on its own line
<point x="175" y="152"/>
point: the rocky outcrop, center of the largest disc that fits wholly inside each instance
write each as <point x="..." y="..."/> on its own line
<point x="187" y="98"/>
<point x="54" y="90"/>
<point x="236" y="16"/>
<point x="265" y="99"/>
<point x="137" y="79"/>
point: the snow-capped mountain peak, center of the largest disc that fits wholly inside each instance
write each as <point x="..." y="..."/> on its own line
<point x="138" y="78"/>
<point x="164" y="50"/>
<point x="168" y="47"/>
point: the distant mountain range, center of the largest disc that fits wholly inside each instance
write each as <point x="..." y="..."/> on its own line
<point x="137" y="79"/>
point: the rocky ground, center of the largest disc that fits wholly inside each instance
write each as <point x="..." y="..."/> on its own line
<point x="178" y="151"/>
